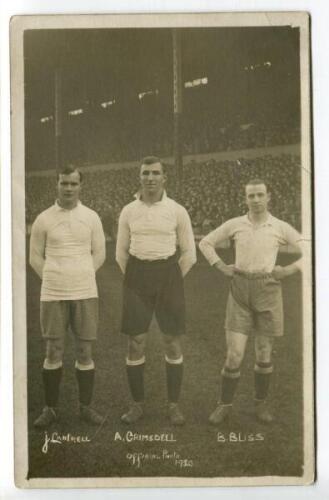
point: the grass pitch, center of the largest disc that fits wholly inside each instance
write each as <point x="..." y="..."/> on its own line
<point x="241" y="447"/>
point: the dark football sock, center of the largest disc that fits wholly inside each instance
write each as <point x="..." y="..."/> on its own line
<point x="51" y="381"/>
<point x="135" y="374"/>
<point x="230" y="379"/>
<point x="85" y="380"/>
<point x="262" y="373"/>
<point x="174" y="374"/>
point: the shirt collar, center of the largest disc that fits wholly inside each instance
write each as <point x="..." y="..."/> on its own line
<point x="139" y="194"/>
<point x="58" y="208"/>
<point x="269" y="221"/>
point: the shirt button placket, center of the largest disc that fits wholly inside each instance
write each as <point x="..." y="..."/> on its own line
<point x="149" y="214"/>
<point x="70" y="220"/>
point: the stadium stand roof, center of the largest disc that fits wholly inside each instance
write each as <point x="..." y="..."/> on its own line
<point x="245" y="67"/>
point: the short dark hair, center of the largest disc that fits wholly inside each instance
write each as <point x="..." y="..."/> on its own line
<point x="256" y="181"/>
<point x="68" y="170"/>
<point x="150" y="160"/>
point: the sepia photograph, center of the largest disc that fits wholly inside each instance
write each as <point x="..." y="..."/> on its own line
<point x="162" y="264"/>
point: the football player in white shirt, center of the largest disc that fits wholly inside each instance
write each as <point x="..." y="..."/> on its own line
<point x="255" y="297"/>
<point x="150" y="229"/>
<point x="67" y="247"/>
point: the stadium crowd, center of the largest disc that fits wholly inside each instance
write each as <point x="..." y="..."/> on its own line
<point x="212" y="191"/>
<point x="237" y="137"/>
<point x="197" y="138"/>
<point x="102" y="141"/>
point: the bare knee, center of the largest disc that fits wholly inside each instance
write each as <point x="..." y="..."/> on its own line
<point x="172" y="347"/>
<point x="263" y="349"/>
<point x="54" y="350"/>
<point x="234" y="358"/>
<point x="136" y="347"/>
<point x="236" y="345"/>
<point x="84" y="352"/>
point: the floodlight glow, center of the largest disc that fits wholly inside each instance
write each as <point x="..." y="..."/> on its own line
<point x="76" y="112"/>
<point x="252" y="67"/>
<point x="197" y="82"/>
<point x="147" y="92"/>
<point x="106" y="104"/>
<point x="46" y="119"/>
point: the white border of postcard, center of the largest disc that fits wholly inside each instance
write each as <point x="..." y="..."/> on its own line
<point x="18" y="25"/>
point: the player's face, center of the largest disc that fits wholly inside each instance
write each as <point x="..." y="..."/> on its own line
<point x="152" y="178"/>
<point x="68" y="187"/>
<point x="257" y="198"/>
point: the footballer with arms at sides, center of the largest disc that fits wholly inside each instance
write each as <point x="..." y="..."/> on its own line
<point x="150" y="229"/>
<point x="67" y="247"/>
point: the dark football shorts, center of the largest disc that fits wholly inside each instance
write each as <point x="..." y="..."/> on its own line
<point x="255" y="305"/>
<point x="81" y="316"/>
<point x="153" y="287"/>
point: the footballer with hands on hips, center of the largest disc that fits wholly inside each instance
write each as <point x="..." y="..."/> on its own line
<point x="150" y="229"/>
<point x="255" y="298"/>
<point x="67" y="247"/>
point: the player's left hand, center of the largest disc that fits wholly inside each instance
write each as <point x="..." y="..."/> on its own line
<point x="280" y="272"/>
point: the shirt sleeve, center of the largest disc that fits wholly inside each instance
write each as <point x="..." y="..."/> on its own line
<point x="38" y="246"/>
<point x="123" y="241"/>
<point x="213" y="240"/>
<point x="294" y="243"/>
<point x="98" y="247"/>
<point x="185" y="238"/>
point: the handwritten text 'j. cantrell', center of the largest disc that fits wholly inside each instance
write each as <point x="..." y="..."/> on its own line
<point x="57" y="438"/>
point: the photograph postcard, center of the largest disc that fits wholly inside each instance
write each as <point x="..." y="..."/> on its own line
<point x="162" y="250"/>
